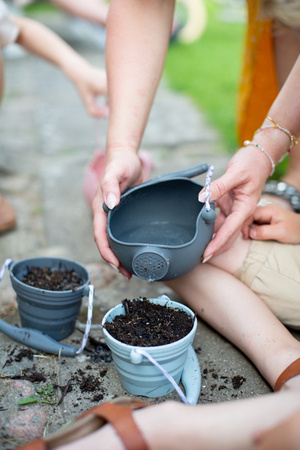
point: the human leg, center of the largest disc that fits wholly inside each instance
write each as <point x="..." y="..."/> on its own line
<point x="241" y="316"/>
<point x="286" y="435"/>
<point x="173" y="425"/>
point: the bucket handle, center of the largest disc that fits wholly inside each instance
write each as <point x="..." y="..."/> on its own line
<point x="41" y="341"/>
<point x="136" y="357"/>
<point x="90" y="296"/>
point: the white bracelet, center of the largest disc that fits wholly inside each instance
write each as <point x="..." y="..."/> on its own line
<point x="246" y="143"/>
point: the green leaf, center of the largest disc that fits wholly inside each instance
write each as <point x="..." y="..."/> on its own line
<point x="27" y="400"/>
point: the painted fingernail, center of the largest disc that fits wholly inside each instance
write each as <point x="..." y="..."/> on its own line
<point x="114" y="267"/>
<point x="111" y="201"/>
<point x="202" y="197"/>
<point x="206" y="259"/>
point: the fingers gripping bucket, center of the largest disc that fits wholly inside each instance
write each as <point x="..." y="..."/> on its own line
<point x="159" y="230"/>
<point x="52" y="312"/>
<point x="156" y="371"/>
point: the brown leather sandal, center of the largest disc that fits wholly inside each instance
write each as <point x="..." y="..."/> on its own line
<point x="290" y="372"/>
<point x="117" y="412"/>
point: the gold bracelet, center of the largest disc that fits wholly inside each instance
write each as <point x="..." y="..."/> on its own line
<point x="293" y="139"/>
<point x="247" y="143"/>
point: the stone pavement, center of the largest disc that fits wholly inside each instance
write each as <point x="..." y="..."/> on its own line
<point x="46" y="140"/>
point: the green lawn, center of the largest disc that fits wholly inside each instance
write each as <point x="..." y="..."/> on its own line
<point x="208" y="71"/>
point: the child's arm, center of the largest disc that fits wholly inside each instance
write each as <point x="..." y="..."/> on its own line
<point x="274" y="223"/>
<point x="41" y="41"/>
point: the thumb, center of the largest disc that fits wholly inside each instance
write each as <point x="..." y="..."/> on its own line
<point x="218" y="188"/>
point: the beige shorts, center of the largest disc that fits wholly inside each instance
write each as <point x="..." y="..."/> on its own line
<point x="272" y="271"/>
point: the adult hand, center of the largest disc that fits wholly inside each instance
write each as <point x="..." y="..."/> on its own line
<point x="286" y="436"/>
<point x="272" y="222"/>
<point x="123" y="170"/>
<point x="237" y="193"/>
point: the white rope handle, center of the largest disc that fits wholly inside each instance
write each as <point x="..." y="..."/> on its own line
<point x="3" y="268"/>
<point x="207" y="185"/>
<point x="169" y="377"/>
<point x="88" y="320"/>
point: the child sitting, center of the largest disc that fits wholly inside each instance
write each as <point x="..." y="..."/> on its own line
<point x="89" y="81"/>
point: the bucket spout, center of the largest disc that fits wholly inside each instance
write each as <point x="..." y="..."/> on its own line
<point x="150" y="265"/>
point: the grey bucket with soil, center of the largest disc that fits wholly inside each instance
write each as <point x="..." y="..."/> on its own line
<point x="155" y="371"/>
<point x="51" y="312"/>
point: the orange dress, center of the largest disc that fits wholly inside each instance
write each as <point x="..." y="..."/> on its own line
<point x="258" y="87"/>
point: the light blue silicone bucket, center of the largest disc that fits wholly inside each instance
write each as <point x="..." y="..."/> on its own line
<point x="140" y="376"/>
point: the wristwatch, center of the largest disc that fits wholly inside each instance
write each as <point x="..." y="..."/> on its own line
<point x="283" y="190"/>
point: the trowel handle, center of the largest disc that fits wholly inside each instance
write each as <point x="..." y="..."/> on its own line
<point x="36" y="339"/>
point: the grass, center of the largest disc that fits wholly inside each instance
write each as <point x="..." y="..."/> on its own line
<point x="39" y="7"/>
<point x="208" y="71"/>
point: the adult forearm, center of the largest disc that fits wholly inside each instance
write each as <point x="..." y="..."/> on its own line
<point x="286" y="112"/>
<point x="137" y="40"/>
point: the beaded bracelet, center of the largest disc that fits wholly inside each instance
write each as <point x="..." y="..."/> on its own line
<point x="293" y="139"/>
<point x="246" y="143"/>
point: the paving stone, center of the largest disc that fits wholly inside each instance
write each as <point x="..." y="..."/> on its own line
<point x="19" y="424"/>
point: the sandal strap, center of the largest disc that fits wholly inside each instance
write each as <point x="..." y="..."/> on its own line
<point x="120" y="417"/>
<point x="290" y="372"/>
<point x="38" y="444"/>
<point x="118" y="413"/>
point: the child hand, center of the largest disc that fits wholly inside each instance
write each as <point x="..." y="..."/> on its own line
<point x="274" y="223"/>
<point x="91" y="83"/>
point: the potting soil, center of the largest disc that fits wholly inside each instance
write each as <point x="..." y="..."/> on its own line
<point x="146" y="324"/>
<point x="52" y="280"/>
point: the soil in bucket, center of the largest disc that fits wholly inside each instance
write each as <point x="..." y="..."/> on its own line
<point x="147" y="324"/>
<point x="52" y="280"/>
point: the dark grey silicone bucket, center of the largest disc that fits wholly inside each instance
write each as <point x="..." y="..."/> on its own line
<point x="52" y="312"/>
<point x="159" y="230"/>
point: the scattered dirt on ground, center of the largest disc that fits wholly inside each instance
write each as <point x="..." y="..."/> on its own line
<point x="52" y="280"/>
<point x="100" y="352"/>
<point x="90" y="383"/>
<point x="148" y="324"/>
<point x="23" y="353"/>
<point x="97" y="398"/>
<point x="221" y="382"/>
<point x="64" y="390"/>
<point x="30" y="374"/>
<point x="237" y="381"/>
